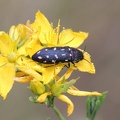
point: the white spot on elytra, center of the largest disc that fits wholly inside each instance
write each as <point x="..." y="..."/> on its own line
<point x="70" y="54"/>
<point x="69" y="49"/>
<point x="44" y="61"/>
<point x="54" y="48"/>
<point x="56" y="56"/>
<point x="38" y="52"/>
<point x="63" y="54"/>
<point x="53" y="61"/>
<point x="63" y="49"/>
<point x="66" y="60"/>
<point x="46" y="49"/>
<point x="47" y="56"/>
<point x="39" y="57"/>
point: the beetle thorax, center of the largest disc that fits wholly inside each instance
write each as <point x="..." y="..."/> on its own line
<point x="77" y="55"/>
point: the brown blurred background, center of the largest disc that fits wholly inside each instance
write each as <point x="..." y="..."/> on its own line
<point x="101" y="18"/>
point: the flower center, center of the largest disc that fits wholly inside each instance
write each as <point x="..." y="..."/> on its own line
<point x="12" y="57"/>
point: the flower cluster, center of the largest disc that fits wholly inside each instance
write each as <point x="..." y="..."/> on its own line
<point x="16" y="64"/>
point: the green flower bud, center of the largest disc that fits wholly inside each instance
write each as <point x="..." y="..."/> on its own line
<point x="37" y="87"/>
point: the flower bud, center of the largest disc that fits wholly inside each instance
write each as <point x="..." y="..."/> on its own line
<point x="37" y="87"/>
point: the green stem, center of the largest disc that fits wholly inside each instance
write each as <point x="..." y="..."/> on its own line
<point x="89" y="118"/>
<point x="58" y="113"/>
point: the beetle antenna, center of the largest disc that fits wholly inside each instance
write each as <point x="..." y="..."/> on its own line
<point x="84" y="52"/>
<point x="85" y="48"/>
<point x="86" y="60"/>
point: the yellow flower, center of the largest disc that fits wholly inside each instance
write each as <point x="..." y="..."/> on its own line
<point x="44" y="35"/>
<point x="57" y="87"/>
<point x="12" y="57"/>
<point x="17" y="48"/>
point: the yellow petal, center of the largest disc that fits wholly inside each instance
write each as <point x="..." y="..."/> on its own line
<point x="43" y="97"/>
<point x="47" y="34"/>
<point x="24" y="79"/>
<point x="85" y="65"/>
<point x="3" y="60"/>
<point x="73" y="39"/>
<point x="69" y="103"/>
<point x="50" y="73"/>
<point x="20" y="33"/>
<point x="73" y="88"/>
<point x="20" y="74"/>
<point x="7" y="73"/>
<point x="6" y="44"/>
<point x="41" y="21"/>
<point x="33" y="44"/>
<point x="30" y="71"/>
<point x="66" y="75"/>
<point x="83" y="93"/>
<point x="30" y="64"/>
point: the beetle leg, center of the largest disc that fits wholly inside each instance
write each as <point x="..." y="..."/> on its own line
<point x="51" y="65"/>
<point x="73" y="64"/>
<point x="68" y="66"/>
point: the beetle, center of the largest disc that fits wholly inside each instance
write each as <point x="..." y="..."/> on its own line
<point x="55" y="55"/>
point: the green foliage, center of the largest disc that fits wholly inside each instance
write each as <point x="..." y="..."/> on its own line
<point x="93" y="104"/>
<point x="62" y="87"/>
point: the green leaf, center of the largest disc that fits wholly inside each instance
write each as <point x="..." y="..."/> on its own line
<point x="93" y="104"/>
<point x="63" y="81"/>
<point x="58" y="89"/>
<point x="68" y="84"/>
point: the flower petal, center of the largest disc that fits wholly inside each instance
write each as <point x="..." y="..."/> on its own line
<point x="20" y="34"/>
<point x="85" y="65"/>
<point x="33" y="44"/>
<point x="6" y="44"/>
<point x="7" y="73"/>
<point x="24" y="79"/>
<point x="69" y="102"/>
<point x="30" y="71"/>
<point x="83" y="93"/>
<point x="50" y="72"/>
<point x="30" y="64"/>
<point x="41" y="21"/>
<point x="47" y="32"/>
<point x="66" y="75"/>
<point x="43" y="97"/>
<point x="3" y="60"/>
<point x="73" y="39"/>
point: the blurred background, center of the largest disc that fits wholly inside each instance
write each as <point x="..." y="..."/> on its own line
<point x="101" y="18"/>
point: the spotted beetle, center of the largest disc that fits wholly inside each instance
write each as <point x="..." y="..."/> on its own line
<point x="55" y="55"/>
